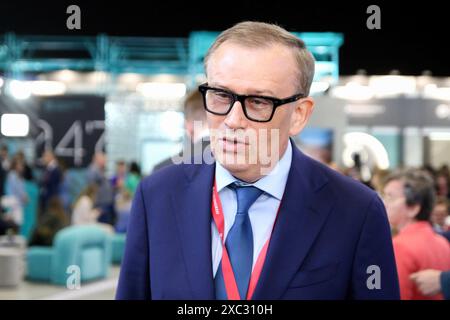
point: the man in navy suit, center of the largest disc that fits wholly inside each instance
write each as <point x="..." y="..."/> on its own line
<point x="263" y="221"/>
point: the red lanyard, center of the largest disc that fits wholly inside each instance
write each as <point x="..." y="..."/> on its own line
<point x="227" y="270"/>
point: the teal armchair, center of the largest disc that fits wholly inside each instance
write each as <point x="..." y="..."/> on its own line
<point x="118" y="247"/>
<point x="87" y="246"/>
<point x="30" y="210"/>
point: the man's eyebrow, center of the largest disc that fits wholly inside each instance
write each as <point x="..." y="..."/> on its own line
<point x="264" y="92"/>
<point x="218" y="86"/>
<point x="252" y="92"/>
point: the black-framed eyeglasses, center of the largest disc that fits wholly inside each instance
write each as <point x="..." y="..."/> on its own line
<point x="256" y="108"/>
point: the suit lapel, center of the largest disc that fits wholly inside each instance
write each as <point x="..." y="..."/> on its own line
<point x="192" y="207"/>
<point x="304" y="209"/>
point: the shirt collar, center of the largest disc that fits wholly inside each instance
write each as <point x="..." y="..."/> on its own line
<point x="273" y="183"/>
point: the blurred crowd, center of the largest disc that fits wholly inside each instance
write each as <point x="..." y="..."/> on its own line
<point x="38" y="202"/>
<point x="417" y="205"/>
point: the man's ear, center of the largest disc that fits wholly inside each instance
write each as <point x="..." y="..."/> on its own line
<point x="300" y="116"/>
<point x="189" y="127"/>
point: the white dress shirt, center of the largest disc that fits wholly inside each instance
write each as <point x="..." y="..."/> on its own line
<point x="262" y="213"/>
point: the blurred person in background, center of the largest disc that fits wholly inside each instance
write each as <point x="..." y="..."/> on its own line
<point x="49" y="184"/>
<point x="439" y="215"/>
<point x="432" y="282"/>
<point x="409" y="197"/>
<point x="194" y="118"/>
<point x="7" y="225"/>
<point x="4" y="158"/>
<point x="378" y="178"/>
<point x="133" y="178"/>
<point x="50" y="222"/>
<point x="84" y="211"/>
<point x="6" y="220"/>
<point x="104" y="201"/>
<point x="27" y="170"/>
<point x="429" y="169"/>
<point x="16" y="195"/>
<point x="124" y="197"/>
<point x="65" y="187"/>
<point x="4" y="167"/>
<point x="30" y="213"/>
<point x="118" y="179"/>
<point x="443" y="183"/>
<point x="360" y="171"/>
<point x="122" y="203"/>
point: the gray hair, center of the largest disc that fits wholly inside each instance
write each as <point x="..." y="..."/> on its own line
<point x="261" y="35"/>
<point x="418" y="188"/>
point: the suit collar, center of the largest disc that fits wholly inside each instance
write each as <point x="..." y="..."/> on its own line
<point x="192" y="206"/>
<point x="305" y="207"/>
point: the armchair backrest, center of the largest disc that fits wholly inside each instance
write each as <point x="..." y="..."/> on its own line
<point x="85" y="246"/>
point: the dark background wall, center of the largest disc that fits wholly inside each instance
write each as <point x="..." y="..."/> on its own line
<point x="413" y="35"/>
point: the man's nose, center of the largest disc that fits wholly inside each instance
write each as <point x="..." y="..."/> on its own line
<point x="236" y="118"/>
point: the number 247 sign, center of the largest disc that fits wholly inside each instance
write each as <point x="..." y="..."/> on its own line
<point x="71" y="145"/>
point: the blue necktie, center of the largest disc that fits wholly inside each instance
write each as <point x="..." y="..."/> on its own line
<point x="239" y="243"/>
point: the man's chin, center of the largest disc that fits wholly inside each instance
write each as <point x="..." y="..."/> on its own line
<point x="234" y="165"/>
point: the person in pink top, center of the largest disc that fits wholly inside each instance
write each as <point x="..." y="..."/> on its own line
<point x="409" y="198"/>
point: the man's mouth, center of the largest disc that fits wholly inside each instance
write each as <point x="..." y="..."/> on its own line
<point x="234" y="140"/>
<point x="233" y="145"/>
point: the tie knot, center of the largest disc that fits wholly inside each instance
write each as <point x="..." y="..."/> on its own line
<point x="246" y="196"/>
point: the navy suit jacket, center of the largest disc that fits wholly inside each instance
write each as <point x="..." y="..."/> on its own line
<point x="329" y="234"/>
